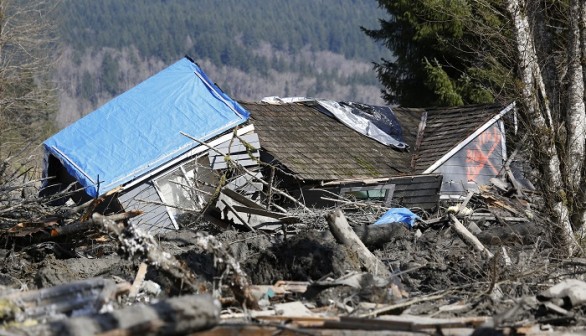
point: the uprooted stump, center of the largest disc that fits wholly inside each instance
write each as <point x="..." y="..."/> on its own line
<point x="137" y="243"/>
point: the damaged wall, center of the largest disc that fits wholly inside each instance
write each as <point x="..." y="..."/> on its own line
<point x="475" y="164"/>
<point x="188" y="186"/>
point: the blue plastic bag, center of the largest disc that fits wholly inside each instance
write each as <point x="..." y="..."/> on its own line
<point x="398" y="215"/>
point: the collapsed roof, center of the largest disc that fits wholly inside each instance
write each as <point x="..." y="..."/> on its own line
<point x="304" y="137"/>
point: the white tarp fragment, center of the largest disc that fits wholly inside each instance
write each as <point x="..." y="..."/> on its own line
<point x="360" y="124"/>
<point x="346" y="114"/>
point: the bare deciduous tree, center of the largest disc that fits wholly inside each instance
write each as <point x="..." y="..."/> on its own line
<point x="27" y="44"/>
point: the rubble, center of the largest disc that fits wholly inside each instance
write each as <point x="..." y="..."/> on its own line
<point x="319" y="271"/>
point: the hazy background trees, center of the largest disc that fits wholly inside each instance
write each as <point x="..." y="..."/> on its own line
<point x="251" y="48"/>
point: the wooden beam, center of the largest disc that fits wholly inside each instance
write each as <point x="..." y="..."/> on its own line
<point x="345" y="235"/>
<point x="468" y="237"/>
<point x="283" y="217"/>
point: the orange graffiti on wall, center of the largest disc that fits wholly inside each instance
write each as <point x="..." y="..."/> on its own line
<point x="478" y="157"/>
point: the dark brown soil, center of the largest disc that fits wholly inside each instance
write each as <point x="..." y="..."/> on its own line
<point x="436" y="262"/>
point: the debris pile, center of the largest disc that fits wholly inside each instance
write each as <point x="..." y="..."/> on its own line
<point x="479" y="265"/>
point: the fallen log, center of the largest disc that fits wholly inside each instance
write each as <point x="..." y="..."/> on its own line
<point x="345" y="235"/>
<point x="87" y="295"/>
<point x="28" y="233"/>
<point x="176" y="316"/>
<point x="77" y="227"/>
<point x="468" y="237"/>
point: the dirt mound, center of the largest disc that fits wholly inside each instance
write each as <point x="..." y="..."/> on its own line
<point x="308" y="255"/>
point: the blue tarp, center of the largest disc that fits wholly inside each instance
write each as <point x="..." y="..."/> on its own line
<point x="398" y="215"/>
<point x="139" y="130"/>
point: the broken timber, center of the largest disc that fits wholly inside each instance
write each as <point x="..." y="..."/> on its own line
<point x="175" y="316"/>
<point x="468" y="237"/>
<point x="345" y="235"/>
<point x="283" y="217"/>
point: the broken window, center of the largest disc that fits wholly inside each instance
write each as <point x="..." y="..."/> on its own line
<point x="383" y="192"/>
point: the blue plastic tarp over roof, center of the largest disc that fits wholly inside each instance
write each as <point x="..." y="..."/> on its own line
<point x="139" y="130"/>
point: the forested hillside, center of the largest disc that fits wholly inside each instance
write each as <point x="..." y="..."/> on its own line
<point x="251" y="48"/>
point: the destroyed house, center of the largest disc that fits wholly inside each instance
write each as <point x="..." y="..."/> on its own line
<point x="163" y="148"/>
<point x="448" y="151"/>
<point x="467" y="145"/>
<point x="147" y="142"/>
<point x="317" y="151"/>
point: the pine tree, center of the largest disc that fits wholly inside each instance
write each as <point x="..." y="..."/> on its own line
<point x="435" y="51"/>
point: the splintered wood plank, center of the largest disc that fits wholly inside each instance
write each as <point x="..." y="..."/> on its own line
<point x="266" y="213"/>
<point x="241" y="199"/>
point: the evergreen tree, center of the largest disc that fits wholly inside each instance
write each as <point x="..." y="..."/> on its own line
<point x="436" y="57"/>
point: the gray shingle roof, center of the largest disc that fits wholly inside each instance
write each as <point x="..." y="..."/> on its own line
<point x="317" y="147"/>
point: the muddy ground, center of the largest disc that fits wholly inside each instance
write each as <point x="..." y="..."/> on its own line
<point x="436" y="263"/>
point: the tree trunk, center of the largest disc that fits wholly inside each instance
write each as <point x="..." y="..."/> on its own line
<point x="577" y="108"/>
<point x="345" y="235"/>
<point x="576" y="117"/>
<point x="542" y="125"/>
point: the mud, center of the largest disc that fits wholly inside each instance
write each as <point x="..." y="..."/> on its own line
<point x="308" y="255"/>
<point x="52" y="271"/>
<point x="437" y="261"/>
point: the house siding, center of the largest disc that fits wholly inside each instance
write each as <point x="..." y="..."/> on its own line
<point x="475" y="164"/>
